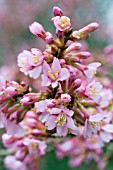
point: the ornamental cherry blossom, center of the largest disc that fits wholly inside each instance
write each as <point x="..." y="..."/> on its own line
<point x="93" y="91"/>
<point x="30" y="63"/>
<point x="61" y="23"/>
<point x="61" y="118"/>
<point x="52" y="75"/>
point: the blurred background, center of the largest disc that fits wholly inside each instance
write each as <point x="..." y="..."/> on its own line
<point x="17" y="15"/>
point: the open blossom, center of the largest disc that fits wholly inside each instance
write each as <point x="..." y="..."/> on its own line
<point x="92" y="125"/>
<point x="93" y="91"/>
<point x="61" y="23"/>
<point x="91" y="70"/>
<point x="107" y="97"/>
<point x="61" y="118"/>
<point x="52" y="75"/>
<point x="30" y="63"/>
<point x="11" y="127"/>
<point x="35" y="146"/>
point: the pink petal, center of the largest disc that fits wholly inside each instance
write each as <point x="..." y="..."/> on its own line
<point x="68" y="112"/>
<point x="105" y="136"/>
<point x="64" y="74"/>
<point x="46" y="68"/>
<point x="41" y="106"/>
<point x="54" y="84"/>
<point x="71" y="125"/>
<point x="56" y="64"/>
<point x="44" y="117"/>
<point x="35" y="73"/>
<point x="55" y="111"/>
<point x="108" y="128"/>
<point x="50" y="124"/>
<point x="96" y="118"/>
<point x="45" y="80"/>
<point x="62" y="130"/>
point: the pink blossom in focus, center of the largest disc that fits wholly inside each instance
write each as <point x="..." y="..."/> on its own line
<point x="93" y="91"/>
<point x="61" y="23"/>
<point x="31" y="62"/>
<point x="54" y="73"/>
<point x="61" y="118"/>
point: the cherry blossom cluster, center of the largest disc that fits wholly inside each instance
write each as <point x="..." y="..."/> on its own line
<point x="70" y="109"/>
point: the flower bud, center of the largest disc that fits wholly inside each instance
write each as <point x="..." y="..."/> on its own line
<point x="77" y="83"/>
<point x="73" y="47"/>
<point x="57" y="11"/>
<point x="21" y="154"/>
<point x="83" y="55"/>
<point x="37" y="30"/>
<point x="89" y="28"/>
<point x="65" y="98"/>
<point x="49" y="38"/>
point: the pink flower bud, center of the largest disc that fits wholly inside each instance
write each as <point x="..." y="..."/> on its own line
<point x="21" y="154"/>
<point x="89" y="28"/>
<point x="77" y="83"/>
<point x="49" y="38"/>
<point x="62" y="61"/>
<point x="73" y="47"/>
<point x="37" y="30"/>
<point x="83" y="55"/>
<point x="57" y="11"/>
<point x="65" y="98"/>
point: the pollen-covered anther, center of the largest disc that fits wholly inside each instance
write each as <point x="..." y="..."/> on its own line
<point x="61" y="120"/>
<point x="63" y="22"/>
<point x="35" y="59"/>
<point x="95" y="71"/>
<point x="33" y="145"/>
<point x="53" y="74"/>
<point x="94" y="91"/>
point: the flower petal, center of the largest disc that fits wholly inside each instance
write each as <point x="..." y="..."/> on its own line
<point x="62" y="130"/>
<point x="50" y="124"/>
<point x="64" y="74"/>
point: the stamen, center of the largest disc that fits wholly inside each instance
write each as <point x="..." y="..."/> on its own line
<point x="63" y="22"/>
<point x="61" y="120"/>
<point x="94" y="91"/>
<point x="35" y="59"/>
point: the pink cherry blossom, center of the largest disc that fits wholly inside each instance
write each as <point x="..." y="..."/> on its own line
<point x="52" y="75"/>
<point x="30" y="63"/>
<point x="61" y="118"/>
<point x="92" y="125"/>
<point x="93" y="91"/>
<point x="91" y="70"/>
<point x="61" y="23"/>
<point x="35" y="146"/>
